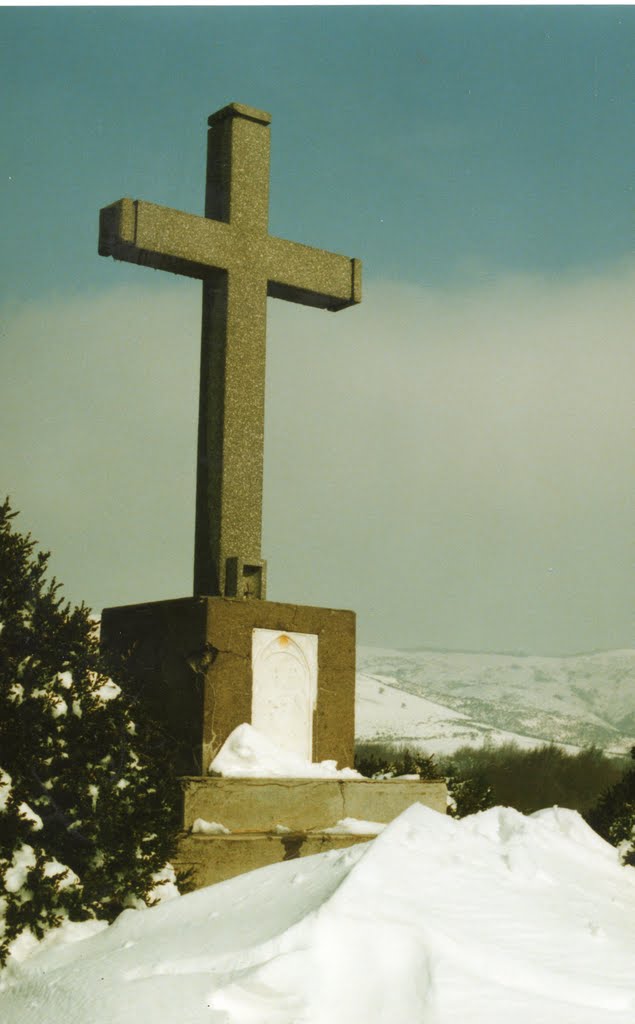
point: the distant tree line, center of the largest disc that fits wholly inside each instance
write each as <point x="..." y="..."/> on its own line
<point x="600" y="787"/>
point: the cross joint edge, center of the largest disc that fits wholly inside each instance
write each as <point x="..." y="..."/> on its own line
<point x="239" y="110"/>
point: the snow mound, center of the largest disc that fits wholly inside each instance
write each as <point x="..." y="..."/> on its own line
<point x="247" y="754"/>
<point x="210" y="828"/>
<point x="494" y="918"/>
<point x="354" y="827"/>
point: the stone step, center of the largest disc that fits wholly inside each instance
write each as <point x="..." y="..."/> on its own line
<point x="215" y="858"/>
<point x="258" y="805"/>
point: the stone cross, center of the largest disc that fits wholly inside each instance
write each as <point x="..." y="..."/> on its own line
<point x="240" y="264"/>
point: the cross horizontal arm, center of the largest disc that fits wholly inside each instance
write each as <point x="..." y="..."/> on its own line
<point x="156" y="236"/>
<point x="182" y="243"/>
<point x="312" y="277"/>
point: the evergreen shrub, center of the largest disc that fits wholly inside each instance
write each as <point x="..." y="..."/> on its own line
<point x="88" y="794"/>
<point x="613" y="816"/>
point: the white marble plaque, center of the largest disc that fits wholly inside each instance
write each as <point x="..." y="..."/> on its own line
<point x="284" y="694"/>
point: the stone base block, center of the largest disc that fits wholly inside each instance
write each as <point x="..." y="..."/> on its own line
<point x="251" y="809"/>
<point x="258" y="805"/>
<point x="212" y="859"/>
<point x="190" y="660"/>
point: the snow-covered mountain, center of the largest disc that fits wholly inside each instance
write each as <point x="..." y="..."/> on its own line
<point x="444" y="700"/>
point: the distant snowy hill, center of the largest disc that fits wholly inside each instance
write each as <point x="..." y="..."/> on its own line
<point x="442" y="701"/>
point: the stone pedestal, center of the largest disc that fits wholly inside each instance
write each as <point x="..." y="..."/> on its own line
<point x="204" y="665"/>
<point x="303" y="805"/>
<point x="253" y="809"/>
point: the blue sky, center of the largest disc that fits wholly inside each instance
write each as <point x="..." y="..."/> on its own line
<point x="439" y="142"/>
<point x="480" y="162"/>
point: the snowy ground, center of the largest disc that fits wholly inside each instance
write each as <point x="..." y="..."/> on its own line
<point x="493" y="919"/>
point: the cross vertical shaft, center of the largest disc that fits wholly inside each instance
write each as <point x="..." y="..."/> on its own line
<point x="233" y="340"/>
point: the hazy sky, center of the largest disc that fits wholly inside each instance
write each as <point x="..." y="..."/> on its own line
<point x="455" y="458"/>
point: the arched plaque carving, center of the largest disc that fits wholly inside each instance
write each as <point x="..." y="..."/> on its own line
<point x="284" y="688"/>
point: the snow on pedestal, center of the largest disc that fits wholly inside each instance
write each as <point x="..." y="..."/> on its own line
<point x="248" y="754"/>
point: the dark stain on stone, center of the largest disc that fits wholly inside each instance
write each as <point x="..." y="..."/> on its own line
<point x="201" y="661"/>
<point x="292" y="845"/>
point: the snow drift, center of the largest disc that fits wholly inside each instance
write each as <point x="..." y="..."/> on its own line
<point x="494" y="918"/>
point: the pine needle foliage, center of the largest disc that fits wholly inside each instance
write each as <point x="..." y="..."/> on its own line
<point x="613" y="817"/>
<point x="375" y="759"/>
<point x="88" y="794"/>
